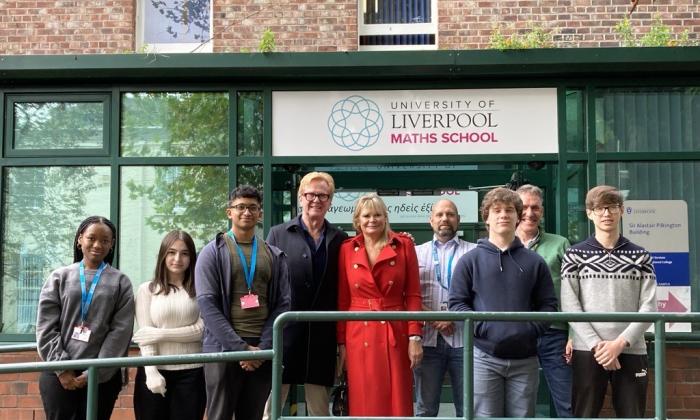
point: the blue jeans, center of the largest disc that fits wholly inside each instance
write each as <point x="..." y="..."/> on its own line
<point x="429" y="378"/>
<point x="550" y="350"/>
<point x="504" y="387"/>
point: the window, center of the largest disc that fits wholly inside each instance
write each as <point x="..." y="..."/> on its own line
<point x="174" y="26"/>
<point x="158" y="199"/>
<point x="42" y="208"/>
<point x="69" y="125"/>
<point x="647" y="120"/>
<point x="397" y="25"/>
<point x="174" y="124"/>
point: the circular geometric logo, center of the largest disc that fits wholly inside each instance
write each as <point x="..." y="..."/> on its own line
<point x="349" y="197"/>
<point x="355" y="123"/>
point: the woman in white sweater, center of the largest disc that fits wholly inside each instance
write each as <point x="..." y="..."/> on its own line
<point x="169" y="323"/>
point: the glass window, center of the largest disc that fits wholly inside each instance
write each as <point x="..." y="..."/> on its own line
<point x="174" y="25"/>
<point x="251" y="175"/>
<point x="662" y="181"/>
<point x="250" y="124"/>
<point x="42" y="209"/>
<point x="575" y="138"/>
<point x="174" y="124"/>
<point x="72" y="123"/>
<point x="397" y="25"/>
<point x="647" y="120"/>
<point x="158" y="199"/>
<point x="577" y="187"/>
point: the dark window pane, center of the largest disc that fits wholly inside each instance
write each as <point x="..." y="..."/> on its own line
<point x="158" y="199"/>
<point x="176" y="21"/>
<point x="577" y="187"/>
<point x="174" y="124"/>
<point x="250" y="124"/>
<point x="41" y="213"/>
<point x="396" y="11"/>
<point x="58" y="125"/>
<point x="647" y="120"/>
<point x="575" y="138"/>
<point x="421" y="39"/>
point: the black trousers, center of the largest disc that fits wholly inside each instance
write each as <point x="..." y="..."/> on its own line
<point x="62" y="404"/>
<point x="185" y="396"/>
<point x="629" y="385"/>
<point x="231" y="390"/>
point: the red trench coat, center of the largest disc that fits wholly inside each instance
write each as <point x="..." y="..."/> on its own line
<point x="380" y="380"/>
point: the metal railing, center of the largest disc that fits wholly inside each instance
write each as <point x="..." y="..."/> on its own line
<point x="658" y="319"/>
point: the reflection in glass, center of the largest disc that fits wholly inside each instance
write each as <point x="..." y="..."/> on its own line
<point x="251" y="175"/>
<point x="647" y="120"/>
<point x="174" y="124"/>
<point x="43" y="207"/>
<point x="176" y="21"/>
<point x="250" y="123"/>
<point x="577" y="187"/>
<point x="58" y="125"/>
<point x="661" y="181"/>
<point x="158" y="199"/>
<point x="575" y="139"/>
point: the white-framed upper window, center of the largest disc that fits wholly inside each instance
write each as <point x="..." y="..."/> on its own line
<point x="169" y="26"/>
<point x="397" y="25"/>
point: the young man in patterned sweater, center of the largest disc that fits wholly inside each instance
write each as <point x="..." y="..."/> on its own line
<point x="608" y="273"/>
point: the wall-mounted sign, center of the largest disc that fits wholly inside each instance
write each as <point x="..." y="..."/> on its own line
<point x="414" y="122"/>
<point x="661" y="226"/>
<point x="407" y="208"/>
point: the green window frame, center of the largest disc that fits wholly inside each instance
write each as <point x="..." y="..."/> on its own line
<point x="77" y="98"/>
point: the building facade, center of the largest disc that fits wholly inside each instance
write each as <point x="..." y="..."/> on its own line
<point x="101" y="116"/>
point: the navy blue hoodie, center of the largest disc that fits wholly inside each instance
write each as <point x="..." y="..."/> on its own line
<point x="515" y="280"/>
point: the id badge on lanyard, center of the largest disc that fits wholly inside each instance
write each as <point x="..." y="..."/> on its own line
<point x="249" y="301"/>
<point x="82" y="332"/>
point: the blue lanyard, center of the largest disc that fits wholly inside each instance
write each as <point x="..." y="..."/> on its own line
<point x="86" y="296"/>
<point x="438" y="272"/>
<point x="249" y="274"/>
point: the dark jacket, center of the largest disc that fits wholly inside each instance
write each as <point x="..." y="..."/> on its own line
<point x="490" y="280"/>
<point x="214" y="293"/>
<point x="309" y="347"/>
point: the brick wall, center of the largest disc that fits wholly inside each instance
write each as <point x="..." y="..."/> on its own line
<point x="574" y="23"/>
<point x="66" y="26"/>
<point x="310" y="26"/>
<point x="19" y="393"/>
<point x="107" y="26"/>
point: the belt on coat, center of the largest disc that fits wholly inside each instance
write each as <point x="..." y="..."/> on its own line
<point x="379" y="304"/>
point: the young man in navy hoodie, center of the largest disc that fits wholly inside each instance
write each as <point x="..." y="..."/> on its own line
<point x="502" y="275"/>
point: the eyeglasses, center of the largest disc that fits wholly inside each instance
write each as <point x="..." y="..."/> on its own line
<point x="599" y="211"/>
<point x="241" y="208"/>
<point x="312" y="196"/>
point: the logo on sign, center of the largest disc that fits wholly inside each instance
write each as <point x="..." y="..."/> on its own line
<point x="355" y="123"/>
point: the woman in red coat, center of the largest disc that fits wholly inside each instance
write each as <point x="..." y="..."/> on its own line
<point x="378" y="271"/>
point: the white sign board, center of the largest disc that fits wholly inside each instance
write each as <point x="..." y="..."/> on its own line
<point x="414" y="122"/>
<point x="661" y="226"/>
<point x="405" y="209"/>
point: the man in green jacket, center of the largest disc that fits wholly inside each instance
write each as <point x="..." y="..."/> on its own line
<point x="553" y="348"/>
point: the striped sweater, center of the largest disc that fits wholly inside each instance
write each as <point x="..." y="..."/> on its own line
<point x="595" y="279"/>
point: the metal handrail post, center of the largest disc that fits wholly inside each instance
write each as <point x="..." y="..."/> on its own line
<point x="468" y="378"/>
<point x="660" y="370"/>
<point x="277" y="329"/>
<point x="92" y="391"/>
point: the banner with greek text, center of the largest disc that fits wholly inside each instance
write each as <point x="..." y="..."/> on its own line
<point x="405" y="209"/>
<point x="414" y="122"/>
